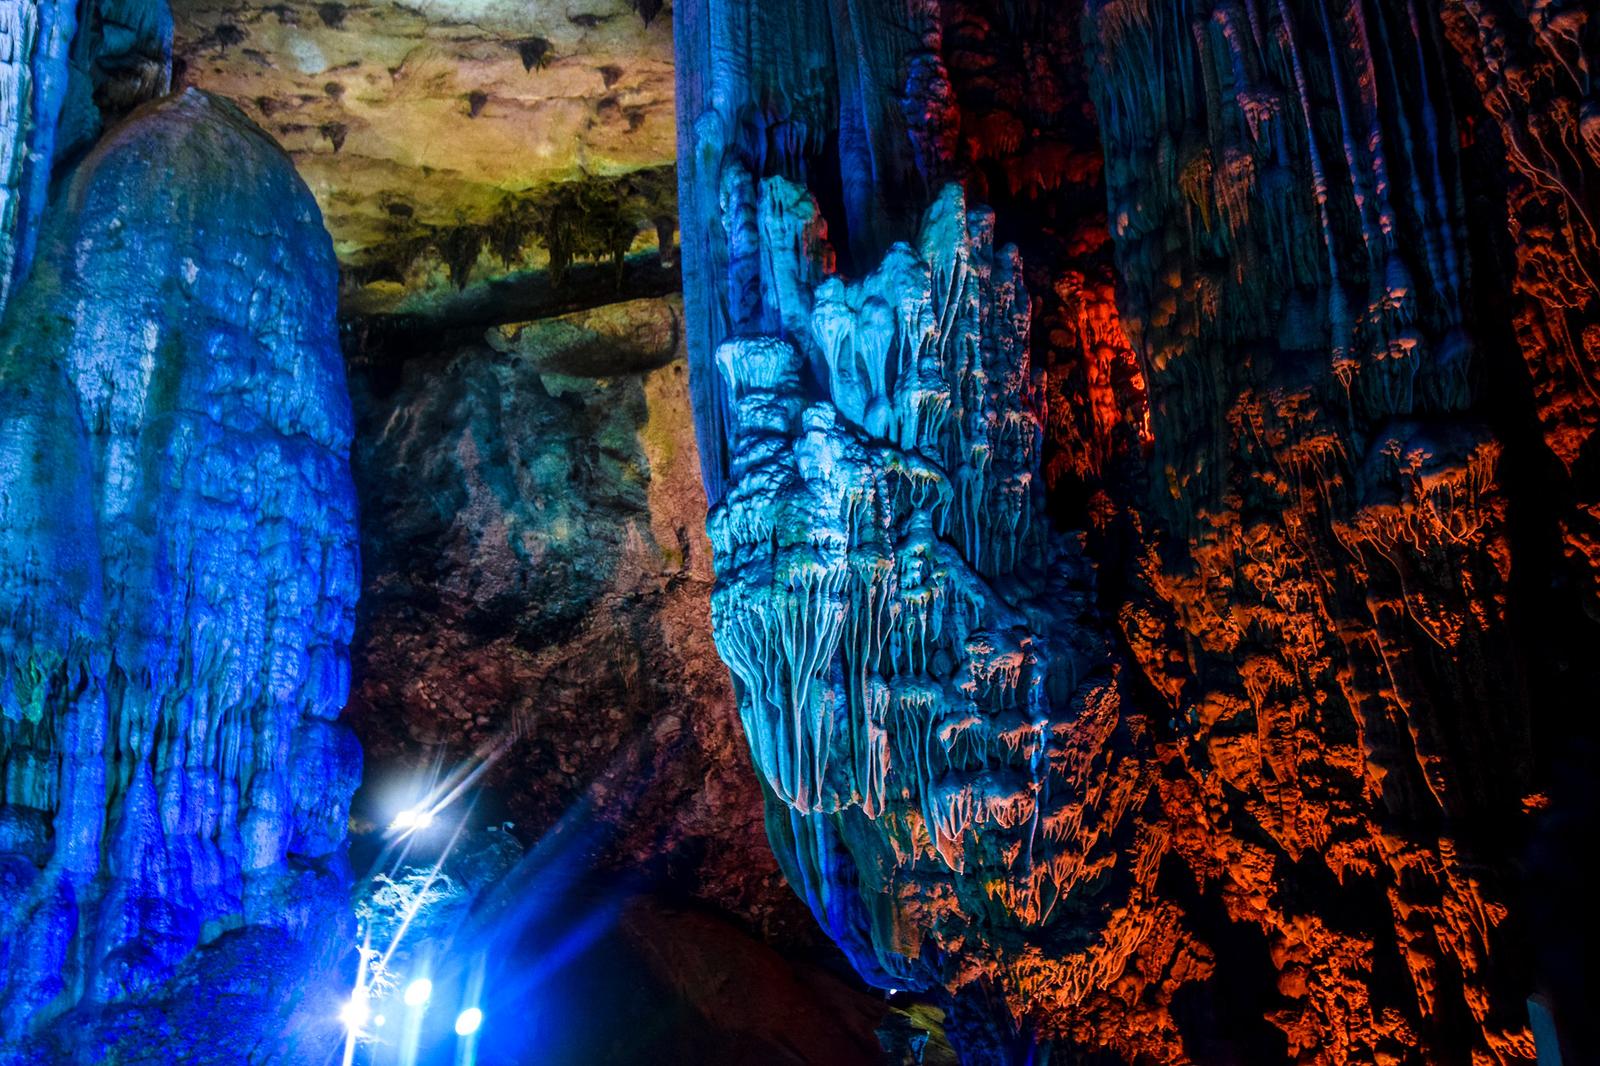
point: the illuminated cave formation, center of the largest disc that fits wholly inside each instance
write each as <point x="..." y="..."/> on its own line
<point x="177" y="582"/>
<point x="1296" y="742"/>
<point x="922" y="679"/>
<point x="1148" y="453"/>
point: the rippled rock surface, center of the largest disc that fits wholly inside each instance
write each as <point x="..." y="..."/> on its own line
<point x="178" y="574"/>
<point x="925" y="684"/>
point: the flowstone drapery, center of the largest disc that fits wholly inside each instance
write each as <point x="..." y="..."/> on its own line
<point x="921" y="677"/>
<point x="843" y="542"/>
<point x="1288" y="186"/>
<point x="177" y="590"/>
<point x="1236" y="773"/>
<point x="956" y="782"/>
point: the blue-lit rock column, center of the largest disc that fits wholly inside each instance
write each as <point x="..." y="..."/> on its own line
<point x="178" y="573"/>
<point x="35" y="38"/>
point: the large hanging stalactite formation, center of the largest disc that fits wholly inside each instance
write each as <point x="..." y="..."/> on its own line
<point x="914" y="682"/>
<point x="1291" y="230"/>
<point x="1288" y="454"/>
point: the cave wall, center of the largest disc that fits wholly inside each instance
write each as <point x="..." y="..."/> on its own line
<point x="1327" y="521"/>
<point x="68" y="70"/>
<point x="1322" y="458"/>
<point x="536" y="577"/>
<point x="1150" y="457"/>
<point x="178" y="576"/>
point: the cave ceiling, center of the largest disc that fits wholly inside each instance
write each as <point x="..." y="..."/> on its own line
<point x="421" y="127"/>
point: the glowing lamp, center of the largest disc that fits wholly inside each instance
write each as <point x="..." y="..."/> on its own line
<point x="413" y="818"/>
<point x="418" y="991"/>
<point x="468" y="1021"/>
<point x="355" y="1013"/>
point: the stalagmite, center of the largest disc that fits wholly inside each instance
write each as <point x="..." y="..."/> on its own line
<point x="177" y="579"/>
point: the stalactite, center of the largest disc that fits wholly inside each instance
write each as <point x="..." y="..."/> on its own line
<point x="890" y="599"/>
<point x="1249" y="338"/>
<point x="920" y="671"/>
<point x="1534" y="68"/>
<point x="1346" y="570"/>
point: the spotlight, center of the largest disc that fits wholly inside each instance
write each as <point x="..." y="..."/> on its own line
<point x="418" y="991"/>
<point x="414" y="818"/>
<point x="355" y="1013"/>
<point x="467" y="1021"/>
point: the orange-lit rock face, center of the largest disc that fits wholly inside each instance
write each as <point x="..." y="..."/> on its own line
<point x="1536" y="76"/>
<point x="1324" y="597"/>
<point x="1282" y="404"/>
<point x="1028" y="146"/>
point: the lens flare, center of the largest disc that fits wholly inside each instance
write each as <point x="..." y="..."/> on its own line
<point x="412" y="818"/>
<point x="468" y="1021"/>
<point x="355" y="1013"/>
<point x="418" y="991"/>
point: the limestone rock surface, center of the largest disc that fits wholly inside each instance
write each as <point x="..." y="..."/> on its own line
<point x="456" y="140"/>
<point x="536" y="584"/>
<point x="177" y="589"/>
<point x="1314" y="413"/>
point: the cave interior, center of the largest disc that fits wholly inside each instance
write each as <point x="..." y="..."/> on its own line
<point x="817" y="532"/>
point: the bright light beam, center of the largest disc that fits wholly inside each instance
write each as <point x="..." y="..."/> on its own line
<point x="470" y="1020"/>
<point x="356" y="1012"/>
<point x="442" y="794"/>
<point x="416" y="903"/>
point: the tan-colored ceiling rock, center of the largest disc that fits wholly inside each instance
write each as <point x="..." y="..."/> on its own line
<point x="416" y="117"/>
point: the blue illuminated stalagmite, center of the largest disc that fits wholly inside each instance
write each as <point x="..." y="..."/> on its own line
<point x="177" y="581"/>
<point x="34" y="41"/>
